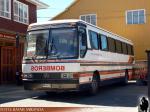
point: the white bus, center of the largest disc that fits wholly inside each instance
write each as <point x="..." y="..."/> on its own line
<point x="72" y="55"/>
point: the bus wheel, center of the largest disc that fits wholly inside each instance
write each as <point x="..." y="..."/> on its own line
<point x="94" y="87"/>
<point x="125" y="82"/>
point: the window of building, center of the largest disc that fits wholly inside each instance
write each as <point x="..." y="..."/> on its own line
<point x="21" y="12"/>
<point x="111" y="44"/>
<point x="93" y="39"/>
<point x="135" y="16"/>
<point x="118" y="46"/>
<point x="5" y="8"/>
<point x="104" y="43"/>
<point x="90" y="18"/>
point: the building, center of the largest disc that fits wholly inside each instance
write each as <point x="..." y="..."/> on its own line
<point x="15" y="16"/>
<point x="129" y="18"/>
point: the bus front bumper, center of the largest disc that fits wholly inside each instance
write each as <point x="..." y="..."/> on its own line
<point x="51" y="85"/>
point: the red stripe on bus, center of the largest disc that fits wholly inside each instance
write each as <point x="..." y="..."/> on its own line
<point x="111" y="72"/>
<point x="112" y="78"/>
<point x="73" y="61"/>
<point x="82" y="75"/>
<point x="77" y="75"/>
<point x="103" y="79"/>
<point x="85" y="75"/>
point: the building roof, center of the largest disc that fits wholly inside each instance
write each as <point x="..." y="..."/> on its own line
<point x="39" y="4"/>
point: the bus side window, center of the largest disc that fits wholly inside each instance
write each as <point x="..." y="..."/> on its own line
<point x="104" y="43"/>
<point x="94" y="40"/>
<point x="130" y="50"/>
<point x="83" y="42"/>
<point x="118" y="46"/>
<point x="124" y="48"/>
<point x="111" y="43"/>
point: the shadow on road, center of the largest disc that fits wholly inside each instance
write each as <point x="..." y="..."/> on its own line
<point x="114" y="95"/>
<point x="9" y="93"/>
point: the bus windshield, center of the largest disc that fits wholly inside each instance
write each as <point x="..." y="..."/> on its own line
<point x="53" y="44"/>
<point x="36" y="44"/>
<point x="63" y="43"/>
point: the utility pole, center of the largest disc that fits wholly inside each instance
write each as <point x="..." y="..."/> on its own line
<point x="17" y="71"/>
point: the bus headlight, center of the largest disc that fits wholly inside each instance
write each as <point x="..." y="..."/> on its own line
<point x="27" y="76"/>
<point x="67" y="75"/>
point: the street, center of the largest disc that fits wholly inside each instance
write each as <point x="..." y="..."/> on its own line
<point x="116" y="97"/>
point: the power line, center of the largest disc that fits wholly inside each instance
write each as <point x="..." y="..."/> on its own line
<point x="54" y="9"/>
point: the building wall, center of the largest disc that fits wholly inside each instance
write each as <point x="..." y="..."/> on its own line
<point x="10" y="55"/>
<point x="111" y="16"/>
<point x="11" y="25"/>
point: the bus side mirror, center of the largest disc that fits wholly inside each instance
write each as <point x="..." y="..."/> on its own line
<point x="83" y="42"/>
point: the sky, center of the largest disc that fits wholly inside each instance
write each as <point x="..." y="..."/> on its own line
<point x="55" y="7"/>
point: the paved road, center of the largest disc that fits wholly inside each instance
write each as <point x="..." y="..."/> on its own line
<point x="110" y="98"/>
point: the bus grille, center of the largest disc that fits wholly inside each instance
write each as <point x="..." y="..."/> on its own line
<point x="46" y="76"/>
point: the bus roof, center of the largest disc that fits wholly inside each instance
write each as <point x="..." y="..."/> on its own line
<point x="48" y="23"/>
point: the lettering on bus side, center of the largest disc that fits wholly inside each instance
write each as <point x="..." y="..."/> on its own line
<point x="47" y="68"/>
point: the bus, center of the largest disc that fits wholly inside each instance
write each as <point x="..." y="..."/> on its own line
<point x="73" y="55"/>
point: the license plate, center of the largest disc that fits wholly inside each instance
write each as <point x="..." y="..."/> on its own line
<point x="47" y="85"/>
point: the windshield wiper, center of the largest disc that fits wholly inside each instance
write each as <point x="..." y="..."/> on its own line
<point x="52" y="45"/>
<point x="46" y="49"/>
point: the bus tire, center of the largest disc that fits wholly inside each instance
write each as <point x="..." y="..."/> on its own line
<point x="94" y="86"/>
<point x="125" y="81"/>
